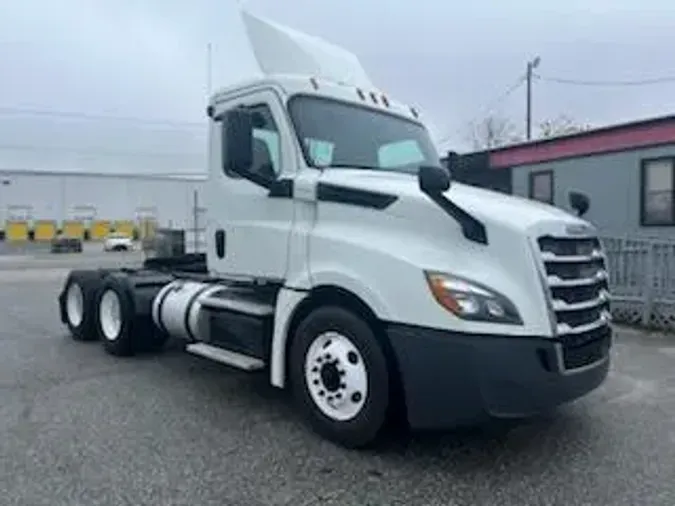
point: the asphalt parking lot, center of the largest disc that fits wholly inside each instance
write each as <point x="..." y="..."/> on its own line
<point x="78" y="427"/>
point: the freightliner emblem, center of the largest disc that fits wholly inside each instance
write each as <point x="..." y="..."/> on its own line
<point x="578" y="230"/>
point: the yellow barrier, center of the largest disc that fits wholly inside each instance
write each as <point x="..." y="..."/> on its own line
<point x="73" y="229"/>
<point x="124" y="227"/>
<point x="44" y="230"/>
<point x="99" y="229"/>
<point x="16" y="231"/>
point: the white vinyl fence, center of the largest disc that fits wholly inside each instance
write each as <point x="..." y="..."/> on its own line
<point x="642" y="281"/>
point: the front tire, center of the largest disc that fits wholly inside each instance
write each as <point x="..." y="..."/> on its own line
<point x="340" y="377"/>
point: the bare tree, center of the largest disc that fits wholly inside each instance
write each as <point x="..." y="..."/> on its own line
<point x="496" y="131"/>
<point x="493" y="132"/>
<point x="562" y="125"/>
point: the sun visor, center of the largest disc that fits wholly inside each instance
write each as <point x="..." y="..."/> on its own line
<point x="282" y="50"/>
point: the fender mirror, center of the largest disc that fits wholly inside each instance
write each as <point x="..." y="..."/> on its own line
<point x="237" y="140"/>
<point x="579" y="202"/>
<point x="433" y="180"/>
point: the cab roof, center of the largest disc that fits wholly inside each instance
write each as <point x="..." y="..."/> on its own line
<point x="292" y="85"/>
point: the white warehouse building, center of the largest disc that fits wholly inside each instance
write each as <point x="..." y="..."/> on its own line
<point x="36" y="204"/>
<point x="86" y="174"/>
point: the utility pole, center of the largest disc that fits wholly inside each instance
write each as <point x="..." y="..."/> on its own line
<point x="208" y="71"/>
<point x="531" y="65"/>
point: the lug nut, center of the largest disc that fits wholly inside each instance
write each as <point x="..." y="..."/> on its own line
<point x="322" y="393"/>
<point x="343" y="385"/>
<point x="315" y="369"/>
<point x="316" y="382"/>
<point x="356" y="396"/>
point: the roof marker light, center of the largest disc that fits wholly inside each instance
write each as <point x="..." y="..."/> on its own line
<point x="315" y="84"/>
<point x="362" y="95"/>
<point x="385" y="100"/>
<point x="414" y="112"/>
<point x="373" y="97"/>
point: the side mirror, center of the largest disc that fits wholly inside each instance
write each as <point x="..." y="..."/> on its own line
<point x="433" y="180"/>
<point x="579" y="202"/>
<point x="237" y="140"/>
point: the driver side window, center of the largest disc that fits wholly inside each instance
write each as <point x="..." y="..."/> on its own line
<point x="266" y="144"/>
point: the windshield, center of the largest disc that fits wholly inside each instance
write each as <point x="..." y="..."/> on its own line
<point x="338" y="134"/>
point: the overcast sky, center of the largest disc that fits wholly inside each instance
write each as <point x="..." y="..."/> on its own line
<point x="147" y="60"/>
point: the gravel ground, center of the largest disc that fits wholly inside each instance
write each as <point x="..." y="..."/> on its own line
<point x="78" y="427"/>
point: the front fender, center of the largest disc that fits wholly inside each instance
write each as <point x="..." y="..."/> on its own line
<point x="363" y="287"/>
<point x="289" y="300"/>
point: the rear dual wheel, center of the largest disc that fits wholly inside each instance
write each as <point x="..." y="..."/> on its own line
<point x="101" y="305"/>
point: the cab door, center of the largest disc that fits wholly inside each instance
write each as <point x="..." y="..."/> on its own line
<point x="251" y="214"/>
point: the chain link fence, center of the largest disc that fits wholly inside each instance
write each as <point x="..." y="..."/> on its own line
<point x="642" y="281"/>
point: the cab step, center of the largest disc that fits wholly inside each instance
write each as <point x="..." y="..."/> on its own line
<point x="226" y="357"/>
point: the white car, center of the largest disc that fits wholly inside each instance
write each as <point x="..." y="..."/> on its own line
<point x="118" y="242"/>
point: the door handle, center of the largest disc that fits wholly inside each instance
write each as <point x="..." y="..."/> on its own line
<point x="220" y="242"/>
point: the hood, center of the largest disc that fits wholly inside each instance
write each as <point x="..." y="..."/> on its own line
<point x="486" y="205"/>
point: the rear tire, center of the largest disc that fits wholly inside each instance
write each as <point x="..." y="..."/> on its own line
<point x="77" y="303"/>
<point x="122" y="330"/>
<point x="340" y="377"/>
<point x="114" y="311"/>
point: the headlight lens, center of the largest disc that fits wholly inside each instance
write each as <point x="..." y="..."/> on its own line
<point x="471" y="301"/>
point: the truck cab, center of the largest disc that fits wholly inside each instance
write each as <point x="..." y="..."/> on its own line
<point x="331" y="189"/>
<point x="344" y="262"/>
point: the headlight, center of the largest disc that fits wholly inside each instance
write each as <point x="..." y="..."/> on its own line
<point x="472" y="301"/>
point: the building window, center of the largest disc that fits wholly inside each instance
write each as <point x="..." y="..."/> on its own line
<point x="658" y="191"/>
<point x="541" y="186"/>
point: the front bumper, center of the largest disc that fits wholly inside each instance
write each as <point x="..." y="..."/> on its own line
<point x="451" y="379"/>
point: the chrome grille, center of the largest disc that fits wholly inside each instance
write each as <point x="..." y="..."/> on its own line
<point x="576" y="278"/>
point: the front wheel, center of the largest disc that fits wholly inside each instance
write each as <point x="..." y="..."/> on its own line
<point x="340" y="377"/>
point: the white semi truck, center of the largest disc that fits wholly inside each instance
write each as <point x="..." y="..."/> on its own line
<point x="345" y="264"/>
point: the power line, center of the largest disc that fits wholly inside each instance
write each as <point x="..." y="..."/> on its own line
<point x="492" y="105"/>
<point x="96" y="152"/>
<point x="501" y="98"/>
<point x="581" y="82"/>
<point x="20" y="111"/>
